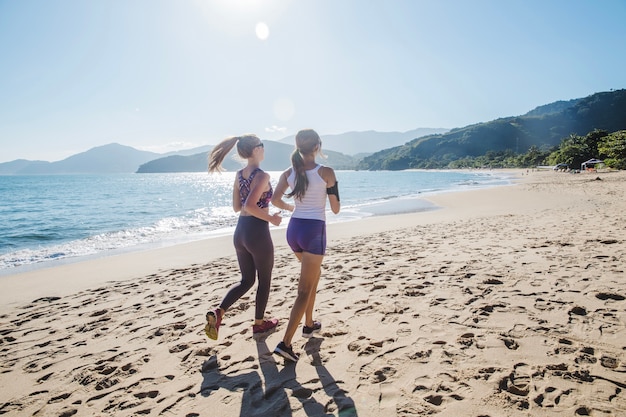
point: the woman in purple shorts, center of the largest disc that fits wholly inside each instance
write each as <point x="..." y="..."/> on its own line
<point x="252" y="193"/>
<point x="311" y="185"/>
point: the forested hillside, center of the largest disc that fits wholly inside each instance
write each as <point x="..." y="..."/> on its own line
<point x="542" y="129"/>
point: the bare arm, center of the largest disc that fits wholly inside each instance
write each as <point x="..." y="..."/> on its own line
<point x="279" y="193"/>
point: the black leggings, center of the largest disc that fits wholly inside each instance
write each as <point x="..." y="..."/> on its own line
<point x="255" y="253"/>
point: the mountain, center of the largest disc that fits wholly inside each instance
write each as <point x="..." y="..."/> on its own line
<point x="116" y="158"/>
<point x="176" y="163"/>
<point x="367" y="142"/>
<point x="21" y="165"/>
<point x="556" y="107"/>
<point x="190" y="151"/>
<point x="277" y="157"/>
<point x="543" y="128"/>
<point x="107" y="159"/>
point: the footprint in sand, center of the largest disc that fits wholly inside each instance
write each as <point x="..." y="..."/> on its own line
<point x="442" y="389"/>
<point x="610" y="296"/>
<point x="550" y="397"/>
<point x="517" y="382"/>
<point x="365" y="346"/>
<point x="510" y="343"/>
<point x="383" y="374"/>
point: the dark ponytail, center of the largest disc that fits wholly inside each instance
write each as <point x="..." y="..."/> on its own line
<point x="302" y="182"/>
<point x="307" y="142"/>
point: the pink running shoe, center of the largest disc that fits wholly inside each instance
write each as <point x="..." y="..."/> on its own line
<point x="265" y="327"/>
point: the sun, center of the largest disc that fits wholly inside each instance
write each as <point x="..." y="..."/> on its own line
<point x="242" y="17"/>
<point x="262" y="31"/>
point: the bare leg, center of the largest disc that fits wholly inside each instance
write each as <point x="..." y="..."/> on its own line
<point x="310" y="268"/>
<point x="308" y="314"/>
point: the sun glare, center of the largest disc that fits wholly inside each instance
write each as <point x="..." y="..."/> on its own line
<point x="240" y="5"/>
<point x="240" y="17"/>
<point x="262" y="31"/>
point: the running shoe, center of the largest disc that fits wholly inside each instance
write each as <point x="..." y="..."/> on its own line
<point x="265" y="327"/>
<point x="308" y="331"/>
<point x="286" y="352"/>
<point x="214" y="319"/>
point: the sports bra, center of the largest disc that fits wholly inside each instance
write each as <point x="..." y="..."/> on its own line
<point x="244" y="189"/>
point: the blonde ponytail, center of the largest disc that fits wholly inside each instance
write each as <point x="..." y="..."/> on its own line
<point x="245" y="147"/>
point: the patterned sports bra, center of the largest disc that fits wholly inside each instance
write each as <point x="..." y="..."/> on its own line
<point x="244" y="189"/>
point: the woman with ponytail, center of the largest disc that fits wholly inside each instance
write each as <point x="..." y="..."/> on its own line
<point x="311" y="186"/>
<point x="252" y="193"/>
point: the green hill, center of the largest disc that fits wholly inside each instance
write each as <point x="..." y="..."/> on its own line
<point x="542" y="128"/>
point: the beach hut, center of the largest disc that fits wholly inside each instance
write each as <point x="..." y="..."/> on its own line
<point x="590" y="164"/>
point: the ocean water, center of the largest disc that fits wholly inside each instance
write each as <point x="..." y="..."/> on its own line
<point x="48" y="219"/>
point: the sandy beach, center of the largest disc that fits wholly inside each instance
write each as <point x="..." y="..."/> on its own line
<point x="507" y="301"/>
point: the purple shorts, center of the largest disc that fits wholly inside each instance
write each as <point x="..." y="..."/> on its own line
<point x="307" y="235"/>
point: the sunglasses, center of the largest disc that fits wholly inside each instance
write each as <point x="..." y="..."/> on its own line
<point x="260" y="145"/>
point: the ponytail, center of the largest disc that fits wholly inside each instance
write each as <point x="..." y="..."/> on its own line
<point x="308" y="142"/>
<point x="302" y="182"/>
<point x="245" y="147"/>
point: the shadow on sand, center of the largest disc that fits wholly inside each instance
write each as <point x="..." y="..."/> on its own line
<point x="270" y="395"/>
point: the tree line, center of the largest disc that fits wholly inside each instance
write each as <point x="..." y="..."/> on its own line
<point x="573" y="151"/>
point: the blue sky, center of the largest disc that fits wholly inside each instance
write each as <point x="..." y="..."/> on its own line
<point x="163" y="75"/>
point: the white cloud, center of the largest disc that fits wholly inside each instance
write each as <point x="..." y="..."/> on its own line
<point x="275" y="129"/>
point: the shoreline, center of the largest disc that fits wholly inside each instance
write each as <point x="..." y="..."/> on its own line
<point x="132" y="239"/>
<point x="30" y="282"/>
<point x="506" y="301"/>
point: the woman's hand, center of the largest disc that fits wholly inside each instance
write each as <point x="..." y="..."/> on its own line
<point x="276" y="218"/>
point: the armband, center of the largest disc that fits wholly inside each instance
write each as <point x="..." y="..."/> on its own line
<point x="334" y="190"/>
